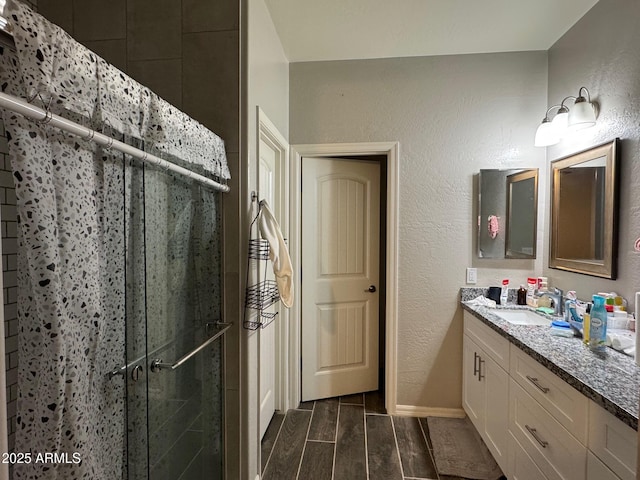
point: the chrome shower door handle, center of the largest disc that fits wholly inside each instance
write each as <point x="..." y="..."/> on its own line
<point x="158" y="364"/>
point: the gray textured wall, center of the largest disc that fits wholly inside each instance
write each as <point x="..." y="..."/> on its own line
<point x="600" y="52"/>
<point x="452" y="115"/>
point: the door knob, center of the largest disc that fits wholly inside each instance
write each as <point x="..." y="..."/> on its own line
<point x="371" y="289"/>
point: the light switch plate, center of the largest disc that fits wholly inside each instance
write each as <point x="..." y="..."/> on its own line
<point x="472" y="275"/>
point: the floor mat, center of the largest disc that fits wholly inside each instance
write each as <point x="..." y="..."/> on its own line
<point x="459" y="451"/>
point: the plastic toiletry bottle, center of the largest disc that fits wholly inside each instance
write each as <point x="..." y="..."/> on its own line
<point x="532" y="284"/>
<point x="522" y="295"/>
<point x="570" y="313"/>
<point x="598" y="323"/>
<point x="586" y="324"/>
<point x="504" y="294"/>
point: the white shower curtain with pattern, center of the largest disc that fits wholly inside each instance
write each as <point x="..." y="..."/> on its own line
<point x="70" y="201"/>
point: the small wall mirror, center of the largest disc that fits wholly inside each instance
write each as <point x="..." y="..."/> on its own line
<point x="584" y="208"/>
<point x="522" y="214"/>
<point x="507" y="213"/>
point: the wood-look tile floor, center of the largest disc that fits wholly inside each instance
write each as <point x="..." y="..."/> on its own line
<point x="347" y="438"/>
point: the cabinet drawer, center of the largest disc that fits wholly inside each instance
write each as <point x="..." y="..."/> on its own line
<point x="596" y="470"/>
<point x="552" y="448"/>
<point x="494" y="345"/>
<point x="561" y="400"/>
<point x="521" y="467"/>
<point x="613" y="442"/>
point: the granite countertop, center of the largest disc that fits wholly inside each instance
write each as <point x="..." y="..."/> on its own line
<point x="609" y="378"/>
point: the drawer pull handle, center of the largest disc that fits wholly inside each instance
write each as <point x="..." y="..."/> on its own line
<point x="534" y="380"/>
<point x="534" y="434"/>
<point x="480" y="375"/>
<point x="476" y="370"/>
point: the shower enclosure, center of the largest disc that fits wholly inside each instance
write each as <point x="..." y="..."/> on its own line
<point x="119" y="293"/>
<point x="174" y="342"/>
<point x="163" y="364"/>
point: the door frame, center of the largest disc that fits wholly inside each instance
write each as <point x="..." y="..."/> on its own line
<point x="392" y="151"/>
<point x="269" y="133"/>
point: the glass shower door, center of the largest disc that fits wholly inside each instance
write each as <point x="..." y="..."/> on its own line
<point x="176" y="398"/>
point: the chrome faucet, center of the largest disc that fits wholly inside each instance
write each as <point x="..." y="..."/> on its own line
<point x="558" y="300"/>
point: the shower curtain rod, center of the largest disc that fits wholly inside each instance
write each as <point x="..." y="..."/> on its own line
<point x="40" y="115"/>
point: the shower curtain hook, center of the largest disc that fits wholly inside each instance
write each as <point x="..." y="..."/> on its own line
<point x="48" y="115"/>
<point x="106" y="124"/>
<point x="92" y="131"/>
<point x="34" y="96"/>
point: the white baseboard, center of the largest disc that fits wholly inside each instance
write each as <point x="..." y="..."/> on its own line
<point x="414" y="411"/>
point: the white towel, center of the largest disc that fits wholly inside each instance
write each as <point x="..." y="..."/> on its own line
<point x="482" y="301"/>
<point x="278" y="253"/>
<point x="621" y="339"/>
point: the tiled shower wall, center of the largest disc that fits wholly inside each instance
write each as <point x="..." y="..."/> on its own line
<point x="9" y="271"/>
<point x="185" y="51"/>
<point x="9" y="226"/>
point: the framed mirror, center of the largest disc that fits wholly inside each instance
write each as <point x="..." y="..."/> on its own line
<point x="584" y="210"/>
<point x="522" y="214"/>
<point x="507" y="213"/>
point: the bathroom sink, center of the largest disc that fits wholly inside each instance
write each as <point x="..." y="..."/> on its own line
<point x="522" y="317"/>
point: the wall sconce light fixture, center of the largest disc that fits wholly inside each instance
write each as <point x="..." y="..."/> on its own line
<point x="582" y="114"/>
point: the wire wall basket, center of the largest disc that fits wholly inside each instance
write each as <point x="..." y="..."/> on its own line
<point x="263" y="319"/>
<point x="258" y="249"/>
<point x="261" y="295"/>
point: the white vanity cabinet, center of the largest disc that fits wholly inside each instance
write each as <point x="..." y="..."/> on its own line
<point x="521" y="466"/>
<point x="613" y="442"/>
<point x="596" y="470"/>
<point x="557" y="453"/>
<point x="535" y="424"/>
<point x="564" y="403"/>
<point x="485" y="388"/>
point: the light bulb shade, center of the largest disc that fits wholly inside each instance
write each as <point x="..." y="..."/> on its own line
<point x="560" y="122"/>
<point x="582" y="115"/>
<point x="546" y="135"/>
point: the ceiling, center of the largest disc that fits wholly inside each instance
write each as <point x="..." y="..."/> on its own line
<point x="312" y="30"/>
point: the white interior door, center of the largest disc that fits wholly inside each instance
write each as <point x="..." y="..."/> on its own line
<point x="340" y="276"/>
